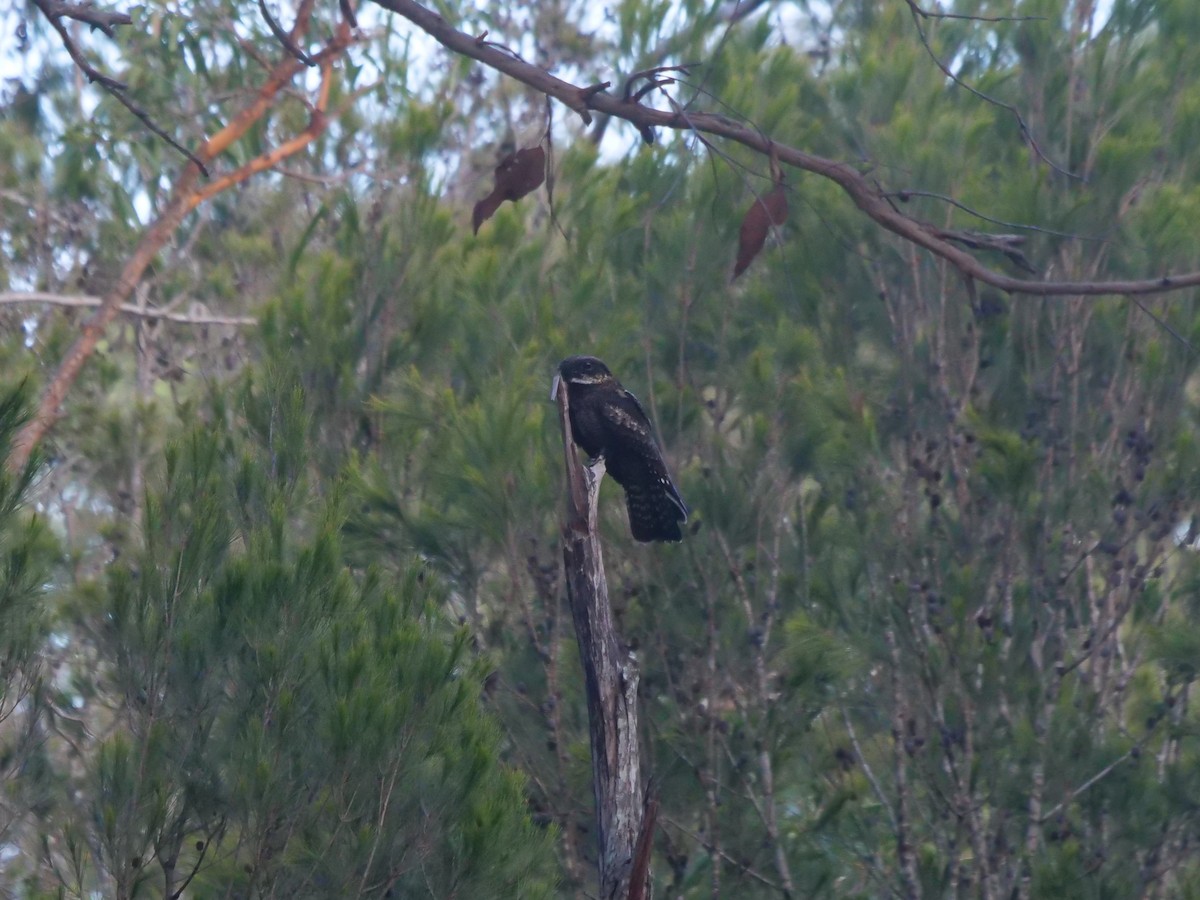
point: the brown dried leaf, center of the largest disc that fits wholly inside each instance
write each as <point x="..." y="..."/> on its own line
<point x="517" y="174"/>
<point x="769" y="209"/>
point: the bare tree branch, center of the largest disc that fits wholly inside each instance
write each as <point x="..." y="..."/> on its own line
<point x="740" y="865"/>
<point x="866" y="767"/>
<point x="1091" y="782"/>
<point x="55" y="12"/>
<point x="731" y="13"/>
<point x="868" y="197"/>
<point x="93" y="74"/>
<point x="145" y="312"/>
<point x="104" y="20"/>
<point x="905" y="852"/>
<point x="1164" y="325"/>
<point x="925" y="14"/>
<point x="283" y="37"/>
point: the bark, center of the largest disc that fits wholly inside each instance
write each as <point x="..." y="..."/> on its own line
<point x="611" y="682"/>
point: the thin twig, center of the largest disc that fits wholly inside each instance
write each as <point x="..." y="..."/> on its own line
<point x="283" y="37"/>
<point x="738" y="864"/>
<point x="1001" y="243"/>
<point x="651" y="76"/>
<point x="54" y="13"/>
<point x="1163" y="324"/>
<point x="917" y="14"/>
<point x="93" y="74"/>
<point x="675" y="43"/>
<point x="324" y="180"/>
<point x="925" y="14"/>
<point x="1091" y="782"/>
<point x="144" y="118"/>
<point x="862" y="761"/>
<point x="905" y="195"/>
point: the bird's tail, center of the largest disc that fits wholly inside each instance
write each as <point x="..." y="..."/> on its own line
<point x="655" y="511"/>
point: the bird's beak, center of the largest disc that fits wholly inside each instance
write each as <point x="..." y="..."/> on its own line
<point x="554" y="387"/>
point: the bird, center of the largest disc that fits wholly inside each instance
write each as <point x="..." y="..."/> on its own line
<point x="608" y="423"/>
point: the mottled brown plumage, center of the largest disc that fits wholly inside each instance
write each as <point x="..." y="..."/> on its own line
<point x="607" y="421"/>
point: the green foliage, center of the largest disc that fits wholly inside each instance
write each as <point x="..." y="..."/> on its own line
<point x="27" y="554"/>
<point x="26" y="547"/>
<point x="291" y="725"/>
<point x="934" y="626"/>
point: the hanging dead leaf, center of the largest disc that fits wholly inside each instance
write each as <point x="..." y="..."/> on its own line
<point x="517" y="174"/>
<point x="769" y="209"/>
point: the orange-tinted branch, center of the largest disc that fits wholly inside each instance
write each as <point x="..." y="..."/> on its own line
<point x="185" y="197"/>
<point x="317" y="124"/>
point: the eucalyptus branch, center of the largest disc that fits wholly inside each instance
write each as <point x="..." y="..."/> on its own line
<point x="55" y="14"/>
<point x="869" y="198"/>
<point x="186" y="195"/>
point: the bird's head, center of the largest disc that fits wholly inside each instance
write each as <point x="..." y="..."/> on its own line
<point x="584" y="370"/>
<point x="580" y="370"/>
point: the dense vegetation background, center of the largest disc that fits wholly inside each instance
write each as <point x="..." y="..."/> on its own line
<point x="281" y="604"/>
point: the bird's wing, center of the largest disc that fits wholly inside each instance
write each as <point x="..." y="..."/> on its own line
<point x="637" y="404"/>
<point x="627" y="417"/>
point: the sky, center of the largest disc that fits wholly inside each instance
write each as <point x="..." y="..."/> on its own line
<point x="16" y="64"/>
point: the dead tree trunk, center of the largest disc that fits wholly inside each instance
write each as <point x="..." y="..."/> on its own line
<point x="611" y="682"/>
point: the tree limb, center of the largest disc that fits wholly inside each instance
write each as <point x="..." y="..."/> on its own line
<point x="104" y="20"/>
<point x="54" y="13"/>
<point x="868" y="197"/>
